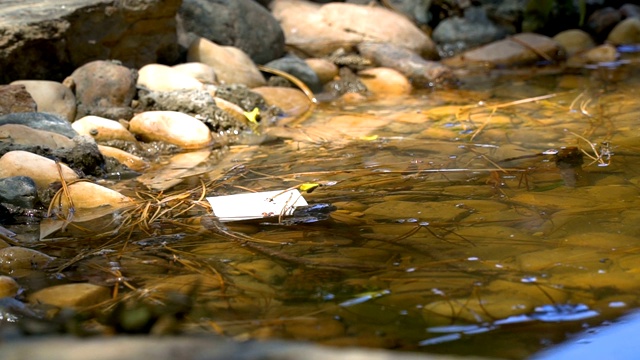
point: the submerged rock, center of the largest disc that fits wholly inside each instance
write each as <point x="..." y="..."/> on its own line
<point x="71" y="295"/>
<point x="17" y="260"/>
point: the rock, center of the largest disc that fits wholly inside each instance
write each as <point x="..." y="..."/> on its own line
<point x="201" y="72"/>
<point x="175" y="170"/>
<point x="298" y="68"/>
<point x="24" y="135"/>
<point x="243" y="24"/>
<point x="513" y="51"/>
<point x="397" y="210"/>
<point x="602" y="21"/>
<point x="156" y="77"/>
<point x="574" y="41"/>
<point x="625" y="32"/>
<point x="232" y="65"/>
<point x="71" y="295"/>
<point x="102" y="129"/>
<point x="8" y="286"/>
<point x="324" y="69"/>
<point x="43" y="171"/>
<point x="16" y="99"/>
<point x="421" y="72"/>
<point x="630" y="10"/>
<point x="172" y="127"/>
<point x="51" y="97"/>
<point x="131" y="161"/>
<point x="104" y="88"/>
<point x="17" y="260"/>
<point x="457" y="34"/>
<point x="241" y="96"/>
<point x="385" y="81"/>
<point x="41" y="121"/>
<point x="183" y="284"/>
<point x="19" y="191"/>
<point x="416" y="10"/>
<point x="601" y="54"/>
<point x="320" y="30"/>
<point x="49" y="39"/>
<point x="89" y="198"/>
<point x="292" y="102"/>
<point x="197" y="103"/>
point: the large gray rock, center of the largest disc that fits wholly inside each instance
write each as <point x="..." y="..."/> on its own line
<point x="240" y="23"/>
<point x="47" y="39"/>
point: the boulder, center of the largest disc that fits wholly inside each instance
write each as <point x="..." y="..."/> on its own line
<point x="243" y="24"/>
<point x="48" y="39"/>
<point x="319" y="30"/>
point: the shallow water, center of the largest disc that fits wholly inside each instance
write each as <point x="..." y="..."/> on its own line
<point x="490" y="220"/>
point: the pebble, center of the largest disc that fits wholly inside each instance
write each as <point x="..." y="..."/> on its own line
<point x="599" y="54"/>
<point x="8" y="286"/>
<point x="43" y="171"/>
<point x="24" y="135"/>
<point x="131" y="161"/>
<point x="172" y="127"/>
<point x="232" y="65"/>
<point x="292" y="102"/>
<point x="625" y="32"/>
<point x="509" y="52"/>
<point x="76" y="296"/>
<point x="19" y="191"/>
<point x="41" y="121"/>
<point x="157" y="77"/>
<point x="16" y="98"/>
<point x="51" y="97"/>
<point x="324" y="69"/>
<point x="102" y="129"/>
<point x="199" y="71"/>
<point x="384" y="81"/>
<point x="103" y="88"/>
<point x="17" y="260"/>
<point x="574" y="41"/>
<point x="91" y="201"/>
<point x="298" y="68"/>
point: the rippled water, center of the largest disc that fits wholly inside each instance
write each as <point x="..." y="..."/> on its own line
<point x="491" y="220"/>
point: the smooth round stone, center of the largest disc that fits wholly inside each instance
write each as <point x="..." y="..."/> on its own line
<point x="156" y="77"/>
<point x="626" y="32"/>
<point x="199" y="71"/>
<point x="102" y="129"/>
<point x="325" y="69"/>
<point x="8" y="286"/>
<point x="17" y="259"/>
<point x="574" y="41"/>
<point x="88" y="196"/>
<point x="51" y="97"/>
<point x="133" y="162"/>
<point x="385" y="81"/>
<point x="25" y="135"/>
<point x="293" y="102"/>
<point x="71" y="295"/>
<point x="43" y="171"/>
<point x="172" y="127"/>
<point x="232" y="65"/>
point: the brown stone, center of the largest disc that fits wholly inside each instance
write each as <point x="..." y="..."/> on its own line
<point x="71" y="295"/>
<point x="15" y="98"/>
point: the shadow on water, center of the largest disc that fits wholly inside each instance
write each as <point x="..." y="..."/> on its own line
<point x="491" y="220"/>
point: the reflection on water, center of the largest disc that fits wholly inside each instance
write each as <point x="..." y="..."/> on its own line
<point x="491" y="220"/>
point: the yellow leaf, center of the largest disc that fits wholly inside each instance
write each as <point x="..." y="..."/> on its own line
<point x="308" y="187"/>
<point x="253" y="115"/>
<point x="369" y="138"/>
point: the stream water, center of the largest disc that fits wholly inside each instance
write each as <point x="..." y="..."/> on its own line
<point x="495" y="220"/>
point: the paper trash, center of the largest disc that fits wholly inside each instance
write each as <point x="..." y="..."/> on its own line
<point x="257" y="205"/>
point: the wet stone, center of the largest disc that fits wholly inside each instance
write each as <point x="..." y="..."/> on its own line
<point x="16" y="134"/>
<point x="43" y="171"/>
<point x="324" y="69"/>
<point x="102" y="129"/>
<point x="242" y="96"/>
<point x="40" y="121"/>
<point x="129" y="160"/>
<point x="19" y="191"/>
<point x="299" y="69"/>
<point x="16" y="260"/>
<point x="71" y="295"/>
<point x="8" y="286"/>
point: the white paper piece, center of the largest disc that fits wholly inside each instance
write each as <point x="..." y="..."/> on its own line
<point x="256" y="205"/>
